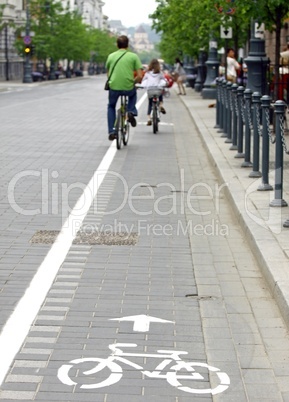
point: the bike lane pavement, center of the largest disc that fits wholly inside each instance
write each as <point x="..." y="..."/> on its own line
<point x="190" y="267"/>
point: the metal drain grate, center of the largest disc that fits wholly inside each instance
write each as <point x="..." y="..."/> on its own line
<point x="104" y="238"/>
<point x="44" y="236"/>
<point x="92" y="238"/>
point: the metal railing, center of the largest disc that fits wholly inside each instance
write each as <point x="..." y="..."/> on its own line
<point x="250" y="122"/>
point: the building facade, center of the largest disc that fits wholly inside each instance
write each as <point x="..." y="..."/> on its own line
<point x="141" y="42"/>
<point x="11" y="64"/>
<point x="91" y="12"/>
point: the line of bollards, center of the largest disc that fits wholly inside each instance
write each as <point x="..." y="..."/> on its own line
<point x="247" y="119"/>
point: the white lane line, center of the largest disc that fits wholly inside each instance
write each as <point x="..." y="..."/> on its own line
<point x="18" y="325"/>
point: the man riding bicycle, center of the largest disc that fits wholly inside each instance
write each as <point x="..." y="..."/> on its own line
<point x="121" y="66"/>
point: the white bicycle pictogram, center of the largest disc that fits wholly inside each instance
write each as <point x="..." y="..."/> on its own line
<point x="180" y="371"/>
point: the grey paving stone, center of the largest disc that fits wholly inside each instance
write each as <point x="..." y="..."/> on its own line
<point x="17" y="395"/>
<point x="223" y="321"/>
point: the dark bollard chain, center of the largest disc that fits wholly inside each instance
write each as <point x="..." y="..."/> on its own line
<point x="269" y="130"/>
<point x="235" y="116"/>
<point x="282" y="129"/>
<point x="243" y="108"/>
<point x="256" y="102"/>
<point x="248" y="112"/>
<point x="265" y="105"/>
<point x="248" y="127"/>
<point x="258" y="109"/>
<point x="235" y="97"/>
<point x="279" y="111"/>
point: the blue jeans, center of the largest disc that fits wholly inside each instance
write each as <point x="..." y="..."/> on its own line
<point x="112" y="101"/>
<point x="150" y="104"/>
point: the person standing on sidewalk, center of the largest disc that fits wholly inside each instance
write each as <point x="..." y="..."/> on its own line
<point x="123" y="64"/>
<point x="232" y="66"/>
<point x="180" y="76"/>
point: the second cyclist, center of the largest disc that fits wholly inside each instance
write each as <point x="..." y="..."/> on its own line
<point x="154" y="78"/>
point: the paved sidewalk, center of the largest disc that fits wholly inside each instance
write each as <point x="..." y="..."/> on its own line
<point x="262" y="224"/>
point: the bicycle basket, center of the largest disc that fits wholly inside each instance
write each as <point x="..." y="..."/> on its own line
<point x="154" y="92"/>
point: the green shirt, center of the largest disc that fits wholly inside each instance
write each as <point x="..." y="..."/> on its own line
<point x="122" y="78"/>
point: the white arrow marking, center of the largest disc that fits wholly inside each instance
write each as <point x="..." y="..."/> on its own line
<point x="141" y="322"/>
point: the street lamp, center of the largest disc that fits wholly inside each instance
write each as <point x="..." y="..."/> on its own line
<point x="257" y="61"/>
<point x="201" y="71"/>
<point x="210" y="88"/>
<point x="27" y="78"/>
<point x="49" y="10"/>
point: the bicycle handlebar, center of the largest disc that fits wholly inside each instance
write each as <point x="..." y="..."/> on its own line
<point x="139" y="86"/>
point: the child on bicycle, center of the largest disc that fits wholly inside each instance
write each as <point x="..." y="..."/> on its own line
<point x="154" y="78"/>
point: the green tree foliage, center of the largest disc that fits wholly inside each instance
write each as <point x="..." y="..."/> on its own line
<point x="70" y="38"/>
<point x="101" y="45"/>
<point x="187" y="25"/>
<point x="44" y="17"/>
<point x="61" y="34"/>
<point x="272" y="13"/>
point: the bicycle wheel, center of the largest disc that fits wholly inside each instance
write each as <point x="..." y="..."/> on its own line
<point x="155" y="119"/>
<point x="118" y="130"/>
<point x="174" y="377"/>
<point x="115" y="375"/>
<point x="125" y="132"/>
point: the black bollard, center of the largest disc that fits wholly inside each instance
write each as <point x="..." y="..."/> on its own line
<point x="218" y="101"/>
<point x="234" y="146"/>
<point x="256" y="100"/>
<point x="240" y="97"/>
<point x="221" y="106"/>
<point x="229" y="113"/>
<point x="225" y="109"/>
<point x="279" y="110"/>
<point x="265" y="105"/>
<point x="248" y="101"/>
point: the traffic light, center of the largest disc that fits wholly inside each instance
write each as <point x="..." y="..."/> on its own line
<point x="27" y="50"/>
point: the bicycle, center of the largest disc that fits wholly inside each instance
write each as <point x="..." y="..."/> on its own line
<point x="154" y="93"/>
<point x="121" y="125"/>
<point x="114" y="370"/>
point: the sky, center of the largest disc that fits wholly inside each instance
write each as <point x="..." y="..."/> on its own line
<point x="130" y="12"/>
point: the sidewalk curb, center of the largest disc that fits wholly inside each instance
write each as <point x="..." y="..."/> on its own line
<point x="270" y="255"/>
<point x="8" y="85"/>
